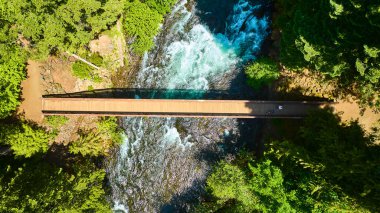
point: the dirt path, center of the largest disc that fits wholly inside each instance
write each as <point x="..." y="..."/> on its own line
<point x="31" y="94"/>
<point x="351" y="111"/>
<point x="308" y="84"/>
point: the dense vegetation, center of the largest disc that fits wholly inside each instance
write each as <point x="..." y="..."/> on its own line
<point x="23" y="138"/>
<point x="327" y="167"/>
<point x="33" y="185"/>
<point x="340" y="153"/>
<point x="38" y="180"/>
<point x="339" y="38"/>
<point x="31" y="180"/>
<point x="142" y="21"/>
<point x="262" y="72"/>
<point x="97" y="141"/>
<point x="52" y="26"/>
<point x="82" y="70"/>
<point x="12" y="65"/>
<point x="56" y="121"/>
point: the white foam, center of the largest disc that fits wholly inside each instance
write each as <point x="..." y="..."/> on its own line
<point x="191" y="58"/>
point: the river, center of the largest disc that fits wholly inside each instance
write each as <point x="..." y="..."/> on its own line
<point x="163" y="163"/>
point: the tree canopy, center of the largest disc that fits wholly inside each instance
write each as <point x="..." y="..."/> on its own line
<point x="327" y="167"/>
<point x="12" y="65"/>
<point x="336" y="37"/>
<point x="36" y="186"/>
<point x="24" y="139"/>
<point x="259" y="188"/>
<point x="261" y="72"/>
<point x="339" y="153"/>
<point x="142" y="21"/>
<point x="60" y="25"/>
<point x="98" y="141"/>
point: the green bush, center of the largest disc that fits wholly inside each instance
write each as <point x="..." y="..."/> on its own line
<point x="261" y="72"/>
<point x="340" y="154"/>
<point x="257" y="188"/>
<point x="35" y="185"/>
<point x="60" y="25"/>
<point x="12" y="73"/>
<point x="267" y="185"/>
<point x="56" y="121"/>
<point x="142" y="24"/>
<point x="81" y="70"/>
<point x="90" y="88"/>
<point x="84" y="71"/>
<point x="99" y="140"/>
<point x="24" y="139"/>
<point x="96" y="59"/>
<point x="161" y="6"/>
<point x="142" y="21"/>
<point x="338" y="38"/>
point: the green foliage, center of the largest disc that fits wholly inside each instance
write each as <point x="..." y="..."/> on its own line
<point x="96" y="59"/>
<point x="227" y="182"/>
<point x="327" y="167"/>
<point x="142" y="24"/>
<point x="84" y="71"/>
<point x="98" y="141"/>
<point x="340" y="154"/>
<point x="261" y="72"/>
<point x="60" y="25"/>
<point x="259" y="188"/>
<point x="81" y="70"/>
<point x="278" y="186"/>
<point x="111" y="129"/>
<point x="161" y="6"/>
<point x="36" y="186"/>
<point x="336" y="37"/>
<point x="142" y="21"/>
<point x="12" y="72"/>
<point x="56" y="121"/>
<point x="24" y="139"/>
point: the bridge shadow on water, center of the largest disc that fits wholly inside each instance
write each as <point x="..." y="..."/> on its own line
<point x="143" y="93"/>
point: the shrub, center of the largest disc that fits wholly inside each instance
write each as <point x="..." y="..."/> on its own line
<point x="99" y="140"/>
<point x="96" y="59"/>
<point x="262" y="72"/>
<point x="142" y="24"/>
<point x="12" y="73"/>
<point x="56" y="121"/>
<point x="81" y="70"/>
<point x="24" y="139"/>
<point x="84" y="71"/>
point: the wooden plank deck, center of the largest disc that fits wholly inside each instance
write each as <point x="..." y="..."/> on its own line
<point x="176" y="108"/>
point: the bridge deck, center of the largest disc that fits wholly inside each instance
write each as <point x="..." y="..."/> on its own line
<point x="176" y="108"/>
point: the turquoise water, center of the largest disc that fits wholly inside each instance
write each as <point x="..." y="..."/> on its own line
<point x="161" y="159"/>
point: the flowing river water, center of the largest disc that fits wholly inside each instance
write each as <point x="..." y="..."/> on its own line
<point x="163" y="163"/>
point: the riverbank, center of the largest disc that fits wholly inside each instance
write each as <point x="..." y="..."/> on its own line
<point x="310" y="86"/>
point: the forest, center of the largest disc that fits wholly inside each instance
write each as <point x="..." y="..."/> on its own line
<point x="322" y="164"/>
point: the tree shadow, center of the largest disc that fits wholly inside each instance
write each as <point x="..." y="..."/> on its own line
<point x="342" y="153"/>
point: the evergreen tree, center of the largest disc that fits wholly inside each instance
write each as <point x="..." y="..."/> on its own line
<point x="24" y="139"/>
<point x="36" y="186"/>
<point x="336" y="37"/>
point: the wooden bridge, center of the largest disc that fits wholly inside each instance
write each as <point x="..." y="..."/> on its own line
<point x="177" y="108"/>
